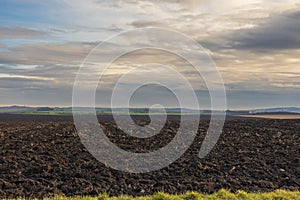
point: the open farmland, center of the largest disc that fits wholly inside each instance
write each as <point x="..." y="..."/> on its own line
<point x="42" y="156"/>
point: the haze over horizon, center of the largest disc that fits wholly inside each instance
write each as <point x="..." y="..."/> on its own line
<point x="254" y="43"/>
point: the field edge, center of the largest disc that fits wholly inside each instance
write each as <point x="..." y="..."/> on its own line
<point x="221" y="194"/>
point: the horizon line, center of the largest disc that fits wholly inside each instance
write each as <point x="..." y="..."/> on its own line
<point x="228" y="109"/>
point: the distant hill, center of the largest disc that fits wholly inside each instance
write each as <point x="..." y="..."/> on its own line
<point x="24" y="109"/>
<point x="276" y="110"/>
<point x="44" y="109"/>
<point x="17" y="108"/>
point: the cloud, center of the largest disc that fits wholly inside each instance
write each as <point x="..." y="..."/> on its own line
<point x="20" y="33"/>
<point x="46" y="53"/>
<point x="255" y="44"/>
<point x="241" y="99"/>
<point x="277" y="33"/>
<point x="148" y="23"/>
<point x="23" y="82"/>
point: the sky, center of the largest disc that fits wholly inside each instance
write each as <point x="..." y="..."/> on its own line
<point x="255" y="45"/>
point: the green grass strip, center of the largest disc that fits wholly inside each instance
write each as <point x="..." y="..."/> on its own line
<point x="222" y="194"/>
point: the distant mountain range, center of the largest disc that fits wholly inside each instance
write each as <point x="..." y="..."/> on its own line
<point x="14" y="109"/>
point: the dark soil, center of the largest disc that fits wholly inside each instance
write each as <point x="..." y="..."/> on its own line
<point x="42" y="156"/>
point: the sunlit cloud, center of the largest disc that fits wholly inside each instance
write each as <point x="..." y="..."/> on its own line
<point x="12" y="76"/>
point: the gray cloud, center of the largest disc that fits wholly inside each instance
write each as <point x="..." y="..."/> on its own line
<point x="148" y="23"/>
<point x="23" y="83"/>
<point x="48" y="71"/>
<point x="276" y="33"/>
<point x="46" y="53"/>
<point x="46" y="96"/>
<point x="239" y="99"/>
<point x="43" y="85"/>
